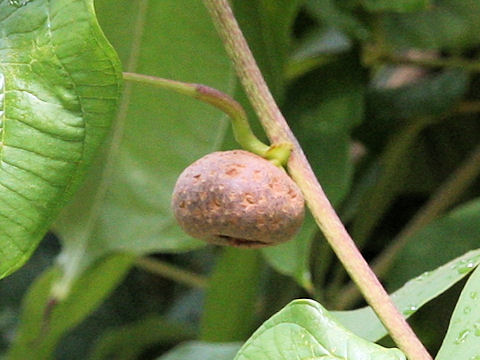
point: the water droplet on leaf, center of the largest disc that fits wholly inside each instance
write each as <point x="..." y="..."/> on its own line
<point x="462" y="336"/>
<point x="465" y="266"/>
<point x="410" y="310"/>
<point x="476" y="328"/>
<point x="18" y="3"/>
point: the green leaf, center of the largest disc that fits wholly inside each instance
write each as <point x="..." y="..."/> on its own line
<point x="413" y="295"/>
<point x="231" y="296"/>
<point x="201" y="350"/>
<point x="455" y="233"/>
<point x="267" y="25"/>
<point x="292" y="258"/>
<point x="449" y="24"/>
<point x="337" y="14"/>
<point x="323" y="118"/>
<point x="463" y="336"/>
<point x="157" y="135"/>
<point x="400" y="6"/>
<point x="427" y="97"/>
<point x="130" y="341"/>
<point x="59" y="86"/>
<point x="43" y="323"/>
<point x="325" y="41"/>
<point x="305" y="330"/>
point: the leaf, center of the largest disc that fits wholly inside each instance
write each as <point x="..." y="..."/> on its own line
<point x="325" y="106"/>
<point x="334" y="14"/>
<point x="463" y="336"/>
<point x="163" y="132"/>
<point x="292" y="258"/>
<point x="305" y="330"/>
<point x="327" y="41"/>
<point x="42" y="323"/>
<point x="267" y="26"/>
<point x="427" y="97"/>
<point x="400" y="6"/>
<point x="130" y="341"/>
<point x="455" y="233"/>
<point x="201" y="350"/>
<point x="229" y="306"/>
<point x="448" y="24"/>
<point x="412" y="296"/>
<point x="59" y="86"/>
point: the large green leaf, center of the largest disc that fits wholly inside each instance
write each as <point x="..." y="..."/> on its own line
<point x="339" y="15"/>
<point x="412" y="296"/>
<point x="292" y="258"/>
<point x="430" y="96"/>
<point x="59" y="85"/>
<point x="305" y="330"/>
<point x="462" y="341"/>
<point x="450" y="24"/>
<point x="229" y="307"/>
<point x="267" y="25"/>
<point x="324" y="107"/>
<point x="130" y="341"/>
<point x="202" y="350"/>
<point x="158" y="133"/>
<point x="43" y="323"/>
<point x="455" y="233"/>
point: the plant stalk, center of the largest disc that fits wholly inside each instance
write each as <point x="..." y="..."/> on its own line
<point x="242" y="131"/>
<point x="448" y="62"/>
<point x="171" y="272"/>
<point x="278" y="154"/>
<point x="278" y="131"/>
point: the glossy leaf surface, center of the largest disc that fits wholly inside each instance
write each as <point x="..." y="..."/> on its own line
<point x="305" y="330"/>
<point x="463" y="336"/>
<point x="202" y="350"/>
<point x="446" y="238"/>
<point x="59" y="85"/>
<point x="412" y="296"/>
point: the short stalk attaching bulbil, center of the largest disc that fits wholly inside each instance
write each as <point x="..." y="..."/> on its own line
<point x="278" y="154"/>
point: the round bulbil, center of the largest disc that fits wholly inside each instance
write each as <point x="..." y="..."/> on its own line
<point x="237" y="198"/>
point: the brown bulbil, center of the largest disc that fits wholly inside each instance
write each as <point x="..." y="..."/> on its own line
<point x="237" y="198"/>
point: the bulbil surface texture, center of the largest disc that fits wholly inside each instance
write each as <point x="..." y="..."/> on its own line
<point x="237" y="198"/>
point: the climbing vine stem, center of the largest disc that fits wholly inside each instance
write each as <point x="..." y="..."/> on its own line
<point x="278" y="131"/>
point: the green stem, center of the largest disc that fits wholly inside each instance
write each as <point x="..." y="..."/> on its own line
<point x="278" y="131"/>
<point x="443" y="198"/>
<point x="241" y="128"/>
<point x="171" y="272"/>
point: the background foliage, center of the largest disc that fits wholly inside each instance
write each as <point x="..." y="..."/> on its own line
<point x="384" y="100"/>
